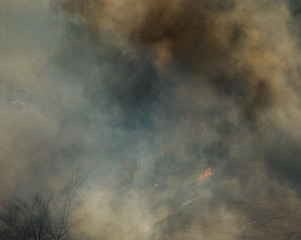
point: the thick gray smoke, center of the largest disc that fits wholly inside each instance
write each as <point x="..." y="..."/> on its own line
<point x="147" y="95"/>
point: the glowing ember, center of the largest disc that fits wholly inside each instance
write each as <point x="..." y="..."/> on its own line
<point x="208" y="173"/>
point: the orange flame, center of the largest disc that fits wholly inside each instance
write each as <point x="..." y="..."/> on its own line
<point x="129" y="174"/>
<point x="208" y="173"/>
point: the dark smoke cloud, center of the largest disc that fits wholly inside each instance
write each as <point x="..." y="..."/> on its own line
<point x="107" y="84"/>
<point x="227" y="44"/>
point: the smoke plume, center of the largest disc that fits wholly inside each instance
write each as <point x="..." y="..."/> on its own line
<point x="147" y="95"/>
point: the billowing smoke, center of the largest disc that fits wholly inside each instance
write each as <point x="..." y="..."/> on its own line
<point x="147" y="95"/>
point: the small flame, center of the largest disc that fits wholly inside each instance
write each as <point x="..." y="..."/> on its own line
<point x="208" y="173"/>
<point x="130" y="174"/>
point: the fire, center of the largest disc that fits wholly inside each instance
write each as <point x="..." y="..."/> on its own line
<point x="130" y="174"/>
<point x="208" y="173"/>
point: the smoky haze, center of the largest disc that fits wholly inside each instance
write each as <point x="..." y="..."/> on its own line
<point x="147" y="95"/>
